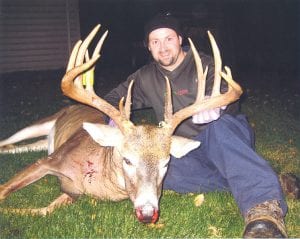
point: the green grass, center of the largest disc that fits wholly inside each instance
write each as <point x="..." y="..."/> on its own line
<point x="278" y="140"/>
<point x="276" y="121"/>
<point x="90" y="218"/>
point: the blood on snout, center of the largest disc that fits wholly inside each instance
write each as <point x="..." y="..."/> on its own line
<point x="147" y="218"/>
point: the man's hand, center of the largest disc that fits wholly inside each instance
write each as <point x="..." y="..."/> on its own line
<point x="207" y="116"/>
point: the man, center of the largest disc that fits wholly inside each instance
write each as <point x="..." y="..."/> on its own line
<point x="226" y="160"/>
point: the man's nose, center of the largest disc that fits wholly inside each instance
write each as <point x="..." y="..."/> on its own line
<point x="162" y="46"/>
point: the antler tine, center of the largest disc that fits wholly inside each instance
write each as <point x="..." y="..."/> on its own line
<point x="100" y="43"/>
<point x="78" y="92"/>
<point x="128" y="101"/>
<point x="218" y="65"/>
<point x="89" y="83"/>
<point x="125" y="110"/>
<point x="168" y="116"/>
<point x="82" y="51"/>
<point x="97" y="48"/>
<point x="215" y="101"/>
<point x="234" y="89"/>
<point x="201" y="77"/>
<point x="72" y="59"/>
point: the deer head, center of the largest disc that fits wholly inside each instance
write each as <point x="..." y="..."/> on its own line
<point x="144" y="150"/>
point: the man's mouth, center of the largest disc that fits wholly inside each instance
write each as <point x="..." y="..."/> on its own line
<point x="167" y="55"/>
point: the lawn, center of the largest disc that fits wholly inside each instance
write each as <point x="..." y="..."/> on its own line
<point x="26" y="97"/>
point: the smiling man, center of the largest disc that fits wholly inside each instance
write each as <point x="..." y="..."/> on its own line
<point x="165" y="47"/>
<point x="226" y="159"/>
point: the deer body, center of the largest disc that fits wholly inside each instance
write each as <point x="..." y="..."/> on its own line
<point x="115" y="163"/>
<point x="83" y="166"/>
<point x="97" y="170"/>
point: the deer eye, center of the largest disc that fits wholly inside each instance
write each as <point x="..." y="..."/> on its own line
<point x="127" y="161"/>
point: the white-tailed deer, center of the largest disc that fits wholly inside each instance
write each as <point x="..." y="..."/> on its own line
<point x="115" y="163"/>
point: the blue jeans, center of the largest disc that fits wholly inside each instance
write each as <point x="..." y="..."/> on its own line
<point x="226" y="161"/>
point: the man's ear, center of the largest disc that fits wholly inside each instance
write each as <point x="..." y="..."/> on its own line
<point x="104" y="135"/>
<point x="180" y="146"/>
<point x="180" y="40"/>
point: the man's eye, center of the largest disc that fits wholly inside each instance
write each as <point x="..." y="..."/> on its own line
<point x="127" y="161"/>
<point x="154" y="43"/>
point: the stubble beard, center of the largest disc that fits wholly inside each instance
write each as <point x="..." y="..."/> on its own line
<point x="171" y="61"/>
<point x="167" y="63"/>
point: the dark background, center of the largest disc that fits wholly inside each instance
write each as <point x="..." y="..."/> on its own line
<point x="259" y="39"/>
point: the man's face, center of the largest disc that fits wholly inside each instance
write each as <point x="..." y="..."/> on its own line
<point x="165" y="47"/>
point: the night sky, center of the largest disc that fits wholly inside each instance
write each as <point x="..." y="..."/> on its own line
<point x="255" y="36"/>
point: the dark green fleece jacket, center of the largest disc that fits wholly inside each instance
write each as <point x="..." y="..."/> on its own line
<point x="149" y="90"/>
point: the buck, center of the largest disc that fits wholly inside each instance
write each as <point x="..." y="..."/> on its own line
<point x="112" y="163"/>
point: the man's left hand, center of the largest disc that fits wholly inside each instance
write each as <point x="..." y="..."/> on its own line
<point x="207" y="116"/>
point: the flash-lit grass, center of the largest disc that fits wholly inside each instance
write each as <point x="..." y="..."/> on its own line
<point x="218" y="216"/>
<point x="277" y="133"/>
<point x="277" y="130"/>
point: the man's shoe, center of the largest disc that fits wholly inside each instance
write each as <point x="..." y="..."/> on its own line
<point x="265" y="220"/>
<point x="262" y="229"/>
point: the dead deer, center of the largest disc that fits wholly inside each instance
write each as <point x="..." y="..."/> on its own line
<point x="113" y="163"/>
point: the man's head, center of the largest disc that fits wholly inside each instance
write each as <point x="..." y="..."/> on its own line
<point x="162" y="21"/>
<point x="163" y="37"/>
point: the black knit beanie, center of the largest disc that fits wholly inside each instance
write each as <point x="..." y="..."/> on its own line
<point x="162" y="21"/>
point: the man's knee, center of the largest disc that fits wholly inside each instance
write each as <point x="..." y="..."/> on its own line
<point x="231" y="129"/>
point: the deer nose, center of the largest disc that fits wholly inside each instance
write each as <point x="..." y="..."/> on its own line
<point x="147" y="214"/>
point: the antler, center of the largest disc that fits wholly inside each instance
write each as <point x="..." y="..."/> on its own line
<point x="216" y="100"/>
<point x="72" y="86"/>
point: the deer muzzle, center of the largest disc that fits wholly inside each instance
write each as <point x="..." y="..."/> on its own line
<point x="147" y="213"/>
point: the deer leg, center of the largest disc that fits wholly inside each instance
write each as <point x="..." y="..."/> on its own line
<point x="30" y="132"/>
<point x="36" y="146"/>
<point x="27" y="176"/>
<point x="63" y="199"/>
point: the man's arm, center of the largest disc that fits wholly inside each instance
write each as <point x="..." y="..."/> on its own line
<point x="114" y="96"/>
<point x="138" y="99"/>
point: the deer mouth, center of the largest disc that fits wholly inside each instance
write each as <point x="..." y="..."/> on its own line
<point x="147" y="214"/>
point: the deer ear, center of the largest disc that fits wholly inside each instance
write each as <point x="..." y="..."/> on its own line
<point x="180" y="146"/>
<point x="104" y="135"/>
